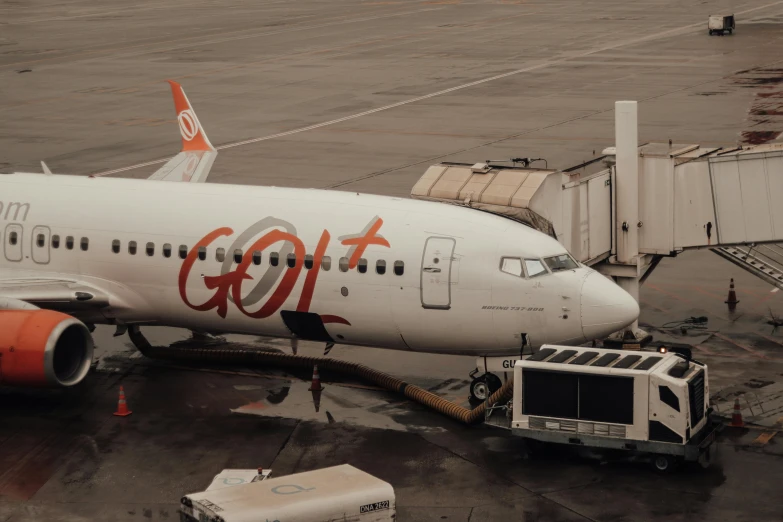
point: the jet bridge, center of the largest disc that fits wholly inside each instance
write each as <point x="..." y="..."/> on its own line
<point x="623" y="211"/>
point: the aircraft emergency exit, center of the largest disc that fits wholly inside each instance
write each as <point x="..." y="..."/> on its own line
<point x="322" y="265"/>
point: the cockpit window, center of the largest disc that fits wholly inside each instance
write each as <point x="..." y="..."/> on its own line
<point x="561" y="262"/>
<point x="534" y="267"/>
<point x="511" y="265"/>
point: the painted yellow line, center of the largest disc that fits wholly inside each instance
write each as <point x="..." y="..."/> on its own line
<point x="764" y="438"/>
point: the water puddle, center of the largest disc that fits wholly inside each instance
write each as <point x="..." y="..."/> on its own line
<point x="764" y="122"/>
<point x="351" y="405"/>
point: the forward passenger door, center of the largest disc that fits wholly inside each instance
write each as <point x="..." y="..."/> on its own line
<point x="436" y="273"/>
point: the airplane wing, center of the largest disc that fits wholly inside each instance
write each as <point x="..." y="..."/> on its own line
<point x="50" y="293"/>
<point x="195" y="161"/>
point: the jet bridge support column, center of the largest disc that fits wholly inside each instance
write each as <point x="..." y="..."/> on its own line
<point x="627" y="259"/>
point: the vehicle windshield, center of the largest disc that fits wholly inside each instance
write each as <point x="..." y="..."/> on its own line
<point x="561" y="262"/>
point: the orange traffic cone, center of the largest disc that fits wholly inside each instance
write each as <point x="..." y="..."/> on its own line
<point x="122" y="407"/>
<point x="317" y="399"/>
<point x="736" y="417"/>
<point x="316" y="385"/>
<point x="732" y="300"/>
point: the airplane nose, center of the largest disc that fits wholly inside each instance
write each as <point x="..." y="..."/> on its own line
<point x="606" y="308"/>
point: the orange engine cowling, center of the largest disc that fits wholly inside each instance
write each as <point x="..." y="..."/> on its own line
<point x="43" y="348"/>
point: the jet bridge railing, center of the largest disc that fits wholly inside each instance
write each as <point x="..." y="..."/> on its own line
<point x="763" y="261"/>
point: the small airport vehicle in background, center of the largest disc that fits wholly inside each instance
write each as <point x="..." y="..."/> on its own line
<point x="642" y="404"/>
<point x="337" y="493"/>
<point x="720" y="24"/>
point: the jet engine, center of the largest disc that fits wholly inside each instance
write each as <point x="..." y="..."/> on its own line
<point x="43" y="348"/>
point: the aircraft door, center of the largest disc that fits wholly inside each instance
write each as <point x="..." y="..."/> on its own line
<point x="40" y="245"/>
<point x="436" y="273"/>
<point x="12" y="242"/>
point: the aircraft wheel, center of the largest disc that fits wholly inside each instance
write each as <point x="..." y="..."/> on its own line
<point x="484" y="386"/>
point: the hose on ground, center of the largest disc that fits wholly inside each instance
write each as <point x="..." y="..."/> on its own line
<point x="234" y="354"/>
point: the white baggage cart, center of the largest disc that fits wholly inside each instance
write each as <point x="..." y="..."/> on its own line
<point x="325" y="495"/>
<point x="720" y="24"/>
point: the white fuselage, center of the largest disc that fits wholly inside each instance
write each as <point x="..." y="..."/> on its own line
<point x="452" y="296"/>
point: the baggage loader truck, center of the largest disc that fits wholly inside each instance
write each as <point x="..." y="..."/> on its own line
<point x="646" y="403"/>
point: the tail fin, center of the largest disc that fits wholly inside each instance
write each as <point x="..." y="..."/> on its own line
<point x="195" y="160"/>
<point x="193" y="135"/>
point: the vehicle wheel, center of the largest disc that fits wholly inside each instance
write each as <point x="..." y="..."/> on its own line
<point x="730" y="31"/>
<point x="710" y="31"/>
<point x="664" y="463"/>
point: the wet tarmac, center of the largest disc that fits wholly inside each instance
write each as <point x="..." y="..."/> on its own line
<point x="364" y="96"/>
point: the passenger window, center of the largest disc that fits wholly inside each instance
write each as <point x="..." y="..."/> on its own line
<point x="13" y="238"/>
<point x="84" y="244"/>
<point x="343" y="264"/>
<point x="55" y="241"/>
<point x="291" y="260"/>
<point x="150" y="249"/>
<point x="668" y="397"/>
<point x="132" y="248"/>
<point x="561" y="262"/>
<point x="220" y="255"/>
<point x="511" y="265"/>
<point x="238" y="256"/>
<point x="274" y="259"/>
<point x="362" y="265"/>
<point x="326" y="263"/>
<point x="308" y="262"/>
<point x="115" y="246"/>
<point x="41" y="240"/>
<point x="534" y="267"/>
<point x="256" y="257"/>
<point x="183" y="251"/>
<point x="167" y="250"/>
<point x="380" y="267"/>
<point x="69" y="242"/>
<point x="399" y="268"/>
<point x="202" y="253"/>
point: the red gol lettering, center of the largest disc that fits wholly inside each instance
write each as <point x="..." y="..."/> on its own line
<point x="231" y="283"/>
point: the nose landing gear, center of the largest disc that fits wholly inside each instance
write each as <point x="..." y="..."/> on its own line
<point x="483" y="386"/>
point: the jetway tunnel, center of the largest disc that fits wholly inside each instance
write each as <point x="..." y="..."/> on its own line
<point x="625" y="210"/>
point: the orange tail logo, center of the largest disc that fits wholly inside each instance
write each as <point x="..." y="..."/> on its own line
<point x="193" y="137"/>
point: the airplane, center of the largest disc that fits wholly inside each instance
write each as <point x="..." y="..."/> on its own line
<point x="323" y="265"/>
